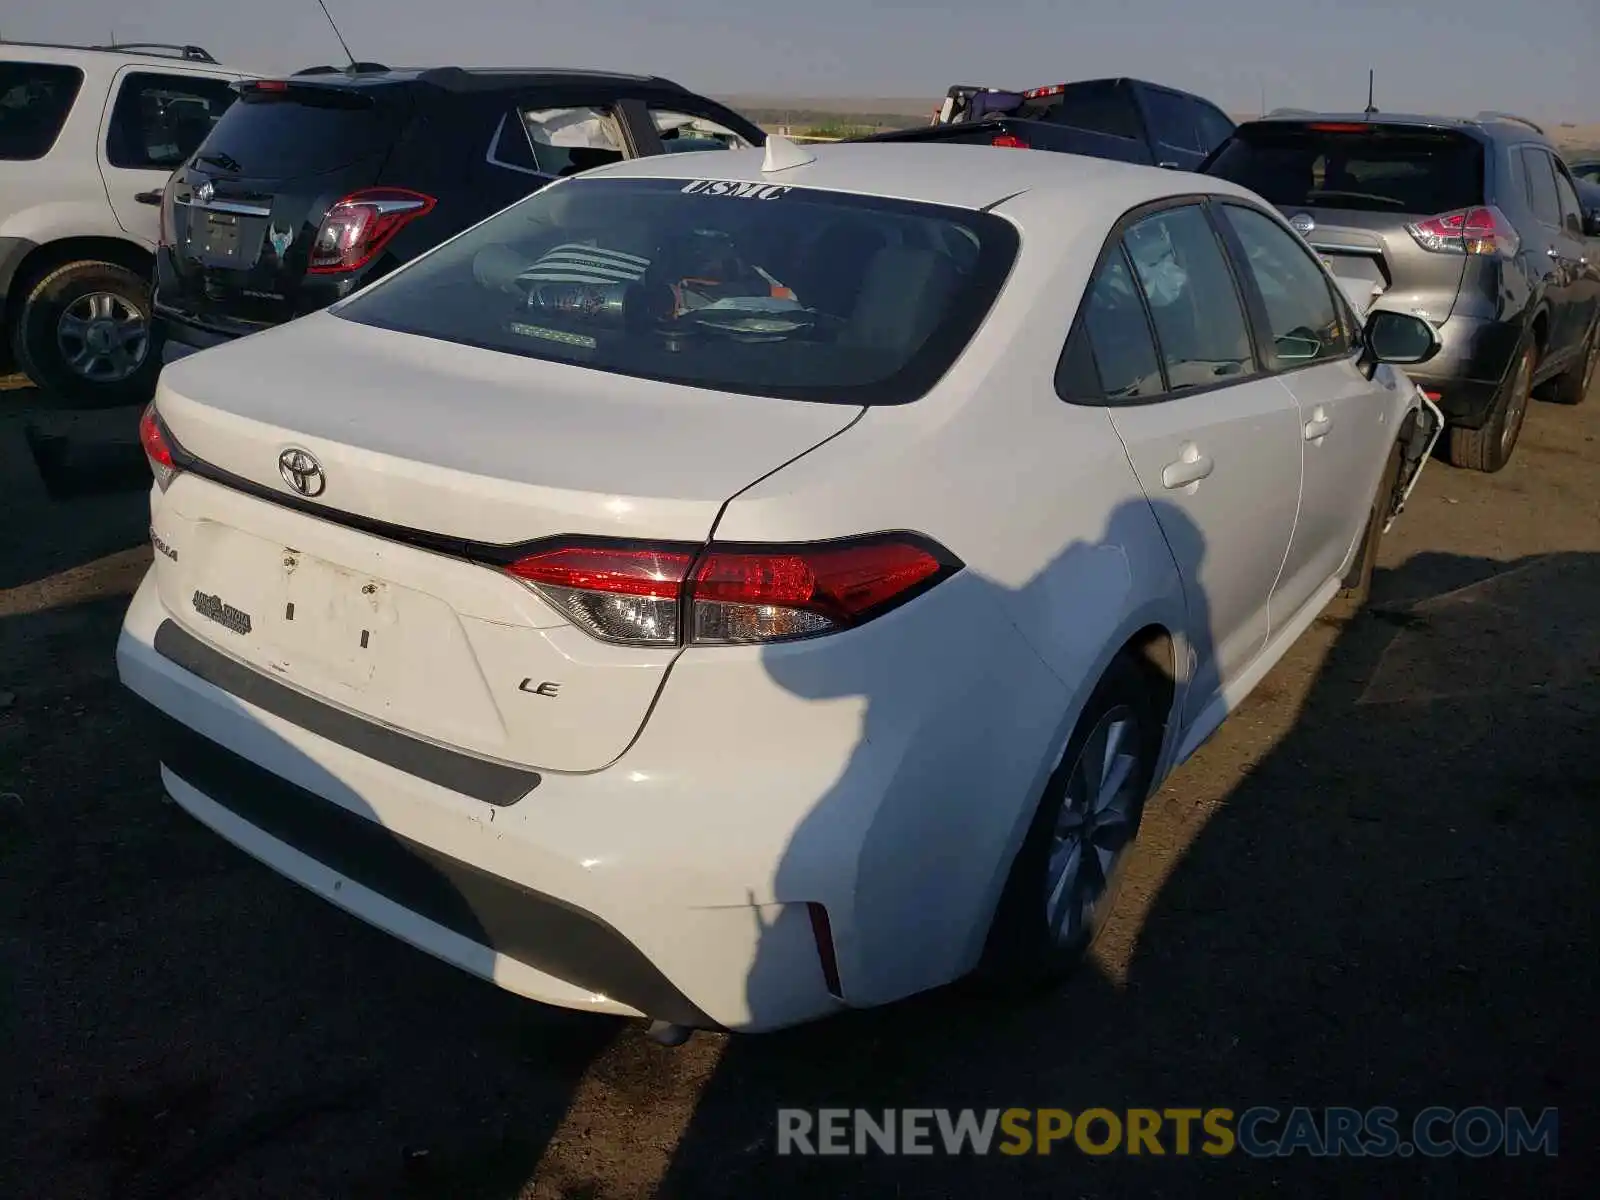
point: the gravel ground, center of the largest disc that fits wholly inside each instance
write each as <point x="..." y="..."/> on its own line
<point x="1376" y="885"/>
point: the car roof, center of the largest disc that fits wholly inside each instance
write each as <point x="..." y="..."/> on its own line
<point x="174" y="57"/>
<point x="953" y="174"/>
<point x="481" y="79"/>
<point x="1492" y="124"/>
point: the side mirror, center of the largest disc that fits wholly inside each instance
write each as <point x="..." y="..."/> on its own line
<point x="1591" y="223"/>
<point x="1399" y="338"/>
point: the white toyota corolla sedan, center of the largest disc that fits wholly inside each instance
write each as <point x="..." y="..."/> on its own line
<point x="732" y="587"/>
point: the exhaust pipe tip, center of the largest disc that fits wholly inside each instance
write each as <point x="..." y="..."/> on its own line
<point x="665" y="1033"/>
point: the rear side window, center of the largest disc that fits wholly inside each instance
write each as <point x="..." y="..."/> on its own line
<point x="749" y="287"/>
<point x="1212" y="125"/>
<point x="1110" y="355"/>
<point x="307" y="130"/>
<point x="160" y="120"/>
<point x="1300" y="307"/>
<point x="1571" y="210"/>
<point x="1171" y="119"/>
<point x="1540" y="175"/>
<point x="568" y="140"/>
<point x="1200" y="326"/>
<point x="35" y="99"/>
<point x="1383" y="169"/>
<point x="1100" y="107"/>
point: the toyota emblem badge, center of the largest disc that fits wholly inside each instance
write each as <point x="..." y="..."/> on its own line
<point x="302" y="472"/>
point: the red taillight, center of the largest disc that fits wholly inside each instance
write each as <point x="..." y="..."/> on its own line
<point x="1338" y="127"/>
<point x="156" y="447"/>
<point x="1009" y="139"/>
<point x="731" y="595"/>
<point x="362" y="224"/>
<point x="1054" y="89"/>
<point x="270" y="85"/>
<point x="1480" y="230"/>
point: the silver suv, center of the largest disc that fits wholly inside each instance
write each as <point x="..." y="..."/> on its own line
<point x="1474" y="224"/>
<point x="88" y="137"/>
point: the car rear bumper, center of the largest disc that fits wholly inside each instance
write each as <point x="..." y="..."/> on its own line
<point x="1464" y="377"/>
<point x="678" y="883"/>
<point x="180" y="337"/>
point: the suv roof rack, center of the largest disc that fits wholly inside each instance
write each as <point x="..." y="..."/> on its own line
<point x="162" y="49"/>
<point x="1505" y="116"/>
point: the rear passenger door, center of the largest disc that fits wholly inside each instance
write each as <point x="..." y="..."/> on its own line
<point x="1309" y="343"/>
<point x="155" y="121"/>
<point x="1580" y="259"/>
<point x="1215" y="443"/>
<point x="1551" y="257"/>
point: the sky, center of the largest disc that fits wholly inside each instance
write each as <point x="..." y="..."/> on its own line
<point x="1456" y="56"/>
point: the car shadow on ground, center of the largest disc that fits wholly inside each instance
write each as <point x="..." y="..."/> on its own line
<point x="1394" y="907"/>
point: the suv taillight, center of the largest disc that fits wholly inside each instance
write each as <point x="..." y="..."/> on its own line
<point x="362" y="224"/>
<point x="157" y="448"/>
<point x="732" y="595"/>
<point x="1009" y="139"/>
<point x="1483" y="229"/>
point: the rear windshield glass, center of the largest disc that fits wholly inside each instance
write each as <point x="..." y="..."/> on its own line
<point x="1099" y="106"/>
<point x="309" y="131"/>
<point x="1394" y="169"/>
<point x="743" y="287"/>
<point x="35" y="99"/>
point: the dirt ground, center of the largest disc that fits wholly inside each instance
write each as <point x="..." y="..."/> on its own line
<point x="1376" y="885"/>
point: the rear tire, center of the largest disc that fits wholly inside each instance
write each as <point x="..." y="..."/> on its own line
<point x="83" y="333"/>
<point x="1489" y="448"/>
<point x="1065" y="879"/>
<point x="1573" y="384"/>
<point x="1357" y="584"/>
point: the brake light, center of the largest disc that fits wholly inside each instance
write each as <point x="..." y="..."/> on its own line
<point x="1009" y="139"/>
<point x="271" y="85"/>
<point x="1054" y="89"/>
<point x="1480" y="230"/>
<point x="362" y="224"/>
<point x="156" y="447"/>
<point x="1337" y="127"/>
<point x="732" y="595"/>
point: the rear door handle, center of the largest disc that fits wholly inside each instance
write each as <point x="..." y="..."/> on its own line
<point x="148" y="197"/>
<point x="1191" y="467"/>
<point x="1319" y="424"/>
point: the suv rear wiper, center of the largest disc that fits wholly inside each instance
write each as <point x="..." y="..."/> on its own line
<point x="221" y="160"/>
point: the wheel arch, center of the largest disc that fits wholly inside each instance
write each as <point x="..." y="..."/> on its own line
<point x="48" y="256"/>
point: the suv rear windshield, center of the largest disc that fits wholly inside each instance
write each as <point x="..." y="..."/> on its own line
<point x="35" y="99"/>
<point x="1376" y="168"/>
<point x="755" y="288"/>
<point x="307" y="130"/>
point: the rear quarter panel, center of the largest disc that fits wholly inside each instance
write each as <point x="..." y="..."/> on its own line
<point x="1062" y="551"/>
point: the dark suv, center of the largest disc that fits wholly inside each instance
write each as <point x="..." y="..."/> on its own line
<point x="313" y="185"/>
<point x="1474" y="224"/>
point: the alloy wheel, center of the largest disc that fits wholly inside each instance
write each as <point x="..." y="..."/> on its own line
<point x="103" y="338"/>
<point x="1094" y="826"/>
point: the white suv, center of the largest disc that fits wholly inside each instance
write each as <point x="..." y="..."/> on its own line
<point x="88" y="137"/>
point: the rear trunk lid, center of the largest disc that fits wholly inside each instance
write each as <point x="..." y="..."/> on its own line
<point x="434" y="464"/>
<point x="248" y="204"/>
<point x="1351" y="188"/>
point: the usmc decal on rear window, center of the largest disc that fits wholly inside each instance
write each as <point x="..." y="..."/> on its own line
<point x="732" y="187"/>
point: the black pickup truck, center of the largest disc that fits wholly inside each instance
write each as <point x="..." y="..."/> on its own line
<point x="1124" y="119"/>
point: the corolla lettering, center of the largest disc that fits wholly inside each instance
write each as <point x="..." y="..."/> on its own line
<point x="729" y="187"/>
